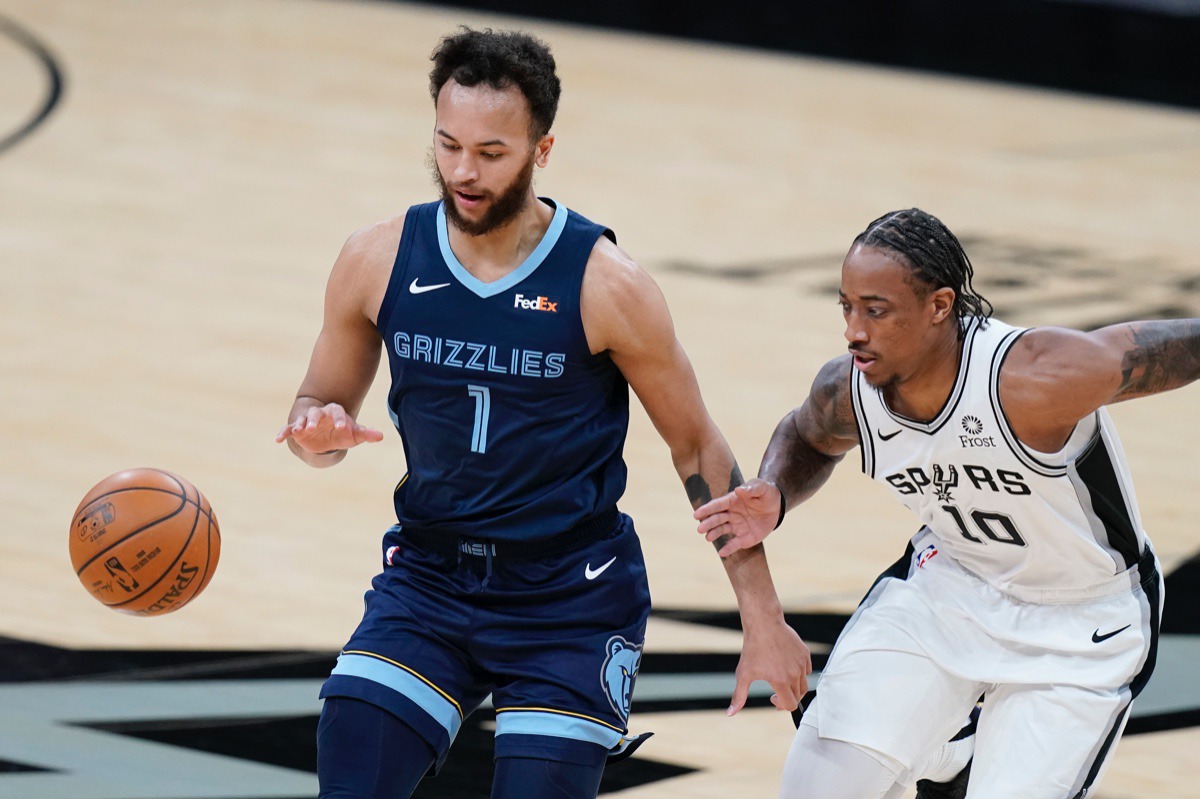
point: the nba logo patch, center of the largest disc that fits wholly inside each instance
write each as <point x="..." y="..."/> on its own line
<point x="926" y="554"/>
<point x="391" y="552"/>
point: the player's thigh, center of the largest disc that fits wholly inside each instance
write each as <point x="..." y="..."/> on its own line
<point x="525" y="777"/>
<point x="1045" y="741"/>
<point x="364" y="752"/>
<point x="901" y="704"/>
<point x="403" y="656"/>
<point x="565" y="649"/>
<point x="824" y="768"/>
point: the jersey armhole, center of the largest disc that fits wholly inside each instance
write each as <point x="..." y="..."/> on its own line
<point x="396" y="280"/>
<point x="866" y="443"/>
<point x="587" y="246"/>
<point x="1027" y="456"/>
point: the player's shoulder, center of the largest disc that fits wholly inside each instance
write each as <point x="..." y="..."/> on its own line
<point x="1048" y="350"/>
<point x="836" y="370"/>
<point x="831" y="386"/>
<point x="613" y="275"/>
<point x="361" y="272"/>
<point x="371" y="240"/>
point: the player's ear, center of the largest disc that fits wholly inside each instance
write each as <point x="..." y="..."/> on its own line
<point x="941" y="304"/>
<point x="541" y="150"/>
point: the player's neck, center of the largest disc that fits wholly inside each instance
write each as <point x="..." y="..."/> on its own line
<point x="922" y="394"/>
<point x="496" y="253"/>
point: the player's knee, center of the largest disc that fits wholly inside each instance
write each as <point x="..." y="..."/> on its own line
<point x="826" y="768"/>
<point x="364" y="752"/>
<point x="522" y="777"/>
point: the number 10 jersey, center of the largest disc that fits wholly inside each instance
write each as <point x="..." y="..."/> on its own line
<point x="1042" y="527"/>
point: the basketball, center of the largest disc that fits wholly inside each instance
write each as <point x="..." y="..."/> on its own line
<point x="144" y="542"/>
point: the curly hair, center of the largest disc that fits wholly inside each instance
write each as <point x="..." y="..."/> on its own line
<point x="921" y="242"/>
<point x="500" y="59"/>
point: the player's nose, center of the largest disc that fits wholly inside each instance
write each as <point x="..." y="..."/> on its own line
<point x="855" y="333"/>
<point x="465" y="169"/>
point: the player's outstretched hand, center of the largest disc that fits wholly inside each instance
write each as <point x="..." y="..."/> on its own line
<point x="744" y="516"/>
<point x="326" y="428"/>
<point x="772" y="652"/>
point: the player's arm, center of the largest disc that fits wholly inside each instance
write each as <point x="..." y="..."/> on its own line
<point x="805" y="447"/>
<point x="1054" y="377"/>
<point x="321" y="424"/>
<point x="626" y="315"/>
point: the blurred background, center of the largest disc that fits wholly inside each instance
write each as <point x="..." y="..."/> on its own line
<point x="177" y="178"/>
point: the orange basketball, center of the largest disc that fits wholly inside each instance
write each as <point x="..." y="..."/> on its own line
<point x="145" y="542"/>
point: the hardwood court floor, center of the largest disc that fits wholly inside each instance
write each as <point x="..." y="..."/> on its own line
<point x="166" y="233"/>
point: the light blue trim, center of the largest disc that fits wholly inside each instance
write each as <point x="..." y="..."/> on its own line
<point x="404" y="683"/>
<point x="556" y="725"/>
<point x="514" y="277"/>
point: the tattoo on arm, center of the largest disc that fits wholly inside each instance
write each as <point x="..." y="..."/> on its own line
<point x="812" y="439"/>
<point x="735" y="477"/>
<point x="698" y="492"/>
<point x="1161" y="356"/>
<point x="832" y="406"/>
<point x="697" y="489"/>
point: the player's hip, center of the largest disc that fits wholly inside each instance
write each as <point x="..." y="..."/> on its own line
<point x="938" y="609"/>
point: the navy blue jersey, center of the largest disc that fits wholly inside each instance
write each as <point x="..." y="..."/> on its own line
<point x="512" y="428"/>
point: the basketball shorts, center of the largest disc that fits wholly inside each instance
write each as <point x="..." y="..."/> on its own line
<point x="930" y="638"/>
<point x="556" y="640"/>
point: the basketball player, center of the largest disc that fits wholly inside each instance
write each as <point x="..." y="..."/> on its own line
<point x="1031" y="581"/>
<point x="514" y="328"/>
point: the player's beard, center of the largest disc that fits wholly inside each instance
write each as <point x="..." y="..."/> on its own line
<point x="502" y="208"/>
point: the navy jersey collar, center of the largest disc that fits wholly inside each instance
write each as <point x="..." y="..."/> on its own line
<point x="477" y="286"/>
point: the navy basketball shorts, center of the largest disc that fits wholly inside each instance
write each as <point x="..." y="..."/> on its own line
<point x="555" y="639"/>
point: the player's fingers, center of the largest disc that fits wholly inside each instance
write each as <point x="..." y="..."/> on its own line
<point x="284" y="433"/>
<point x="740" y="692"/>
<point x="717" y="505"/>
<point x="720" y="531"/>
<point x="365" y="434"/>
<point x="784" y="697"/>
<point x="733" y="545"/>
<point x="313" y="418"/>
<point x="338" y="415"/>
<point x="755" y="488"/>
<point x="710" y="522"/>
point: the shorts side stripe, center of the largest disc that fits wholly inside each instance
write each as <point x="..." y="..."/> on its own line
<point x="1106" y="748"/>
<point x="557" y="724"/>
<point x="405" y="681"/>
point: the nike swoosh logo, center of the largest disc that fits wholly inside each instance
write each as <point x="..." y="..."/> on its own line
<point x="1097" y="637"/>
<point x="889" y="436"/>
<point x="591" y="574"/>
<point x="413" y="288"/>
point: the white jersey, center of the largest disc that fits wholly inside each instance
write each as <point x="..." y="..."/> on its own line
<point x="1041" y="527"/>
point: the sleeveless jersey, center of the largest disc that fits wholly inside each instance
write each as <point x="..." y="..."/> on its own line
<point x="512" y="429"/>
<point x="1043" y="527"/>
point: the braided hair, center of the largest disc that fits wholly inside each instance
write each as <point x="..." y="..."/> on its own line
<point x="921" y="242"/>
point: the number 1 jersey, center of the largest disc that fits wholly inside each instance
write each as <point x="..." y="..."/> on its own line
<point x="512" y="429"/>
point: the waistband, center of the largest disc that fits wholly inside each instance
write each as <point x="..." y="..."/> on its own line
<point x="1142" y="573"/>
<point x="449" y="544"/>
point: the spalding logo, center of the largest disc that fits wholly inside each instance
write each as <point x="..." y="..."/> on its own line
<point x="619" y="671"/>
